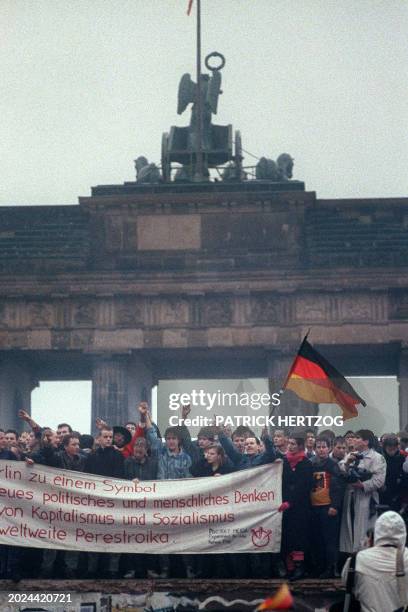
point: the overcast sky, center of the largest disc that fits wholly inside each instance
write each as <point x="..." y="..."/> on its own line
<point x="88" y="85"/>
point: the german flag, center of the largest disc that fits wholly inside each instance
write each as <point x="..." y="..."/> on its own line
<point x="314" y="379"/>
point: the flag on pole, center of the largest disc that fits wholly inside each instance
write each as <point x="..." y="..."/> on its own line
<point x="314" y="379"/>
<point x="190" y="6"/>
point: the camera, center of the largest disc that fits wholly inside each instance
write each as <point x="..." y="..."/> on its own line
<point x="358" y="473"/>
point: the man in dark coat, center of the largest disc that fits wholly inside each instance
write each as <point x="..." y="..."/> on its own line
<point x="252" y="457"/>
<point x="104" y="461"/>
<point x="297" y="482"/>
<point x="391" y="492"/>
<point x="327" y="498"/>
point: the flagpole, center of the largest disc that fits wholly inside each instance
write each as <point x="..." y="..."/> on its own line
<point x="199" y="138"/>
<point x="294" y="360"/>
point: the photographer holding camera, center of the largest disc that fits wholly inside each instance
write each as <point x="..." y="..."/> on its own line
<point x="365" y="471"/>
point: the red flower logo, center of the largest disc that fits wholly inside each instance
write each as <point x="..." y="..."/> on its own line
<point x="261" y="537"/>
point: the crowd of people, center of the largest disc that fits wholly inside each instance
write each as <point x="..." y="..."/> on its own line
<point x="333" y="490"/>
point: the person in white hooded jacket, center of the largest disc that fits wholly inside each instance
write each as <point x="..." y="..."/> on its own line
<point x="376" y="585"/>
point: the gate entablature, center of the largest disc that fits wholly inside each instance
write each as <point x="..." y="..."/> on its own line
<point x="202" y="270"/>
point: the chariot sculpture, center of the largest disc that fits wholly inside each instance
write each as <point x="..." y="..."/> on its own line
<point x="216" y="144"/>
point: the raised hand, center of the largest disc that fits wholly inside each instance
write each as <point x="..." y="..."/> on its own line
<point x="185" y="411"/>
<point x="100" y="423"/>
<point x="143" y="408"/>
<point x="23" y="414"/>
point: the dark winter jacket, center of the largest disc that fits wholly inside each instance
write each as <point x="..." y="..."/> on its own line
<point x="75" y="463"/>
<point x="296" y="487"/>
<point x="241" y="461"/>
<point x="142" y="471"/>
<point x="46" y="455"/>
<point x="297" y="483"/>
<point x="203" y="468"/>
<point x="392" y="490"/>
<point x="105" y="462"/>
<point x="7" y="455"/>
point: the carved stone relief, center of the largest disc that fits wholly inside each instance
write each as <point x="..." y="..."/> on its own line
<point x="129" y="312"/>
<point x="399" y="306"/>
<point x="313" y="308"/>
<point x="173" y="311"/>
<point x="355" y="308"/>
<point x="217" y="311"/>
<point x="84" y="314"/>
<point x="40" y="314"/>
<point x="266" y="309"/>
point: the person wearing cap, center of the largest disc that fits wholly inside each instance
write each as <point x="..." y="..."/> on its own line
<point x="381" y="572"/>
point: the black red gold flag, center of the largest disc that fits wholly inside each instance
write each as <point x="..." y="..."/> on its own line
<point x="314" y="379"/>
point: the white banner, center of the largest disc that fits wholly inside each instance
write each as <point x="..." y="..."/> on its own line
<point x="48" y="508"/>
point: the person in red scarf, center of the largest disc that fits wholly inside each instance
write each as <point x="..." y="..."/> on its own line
<point x="296" y="486"/>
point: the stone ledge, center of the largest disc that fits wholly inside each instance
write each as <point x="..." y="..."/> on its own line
<point x="310" y="586"/>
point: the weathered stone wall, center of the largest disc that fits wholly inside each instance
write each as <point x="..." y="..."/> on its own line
<point x="142" y="274"/>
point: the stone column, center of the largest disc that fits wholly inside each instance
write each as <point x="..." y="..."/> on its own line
<point x="278" y="368"/>
<point x="140" y="385"/>
<point x="403" y="387"/>
<point x="16" y="383"/>
<point x="110" y="390"/>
